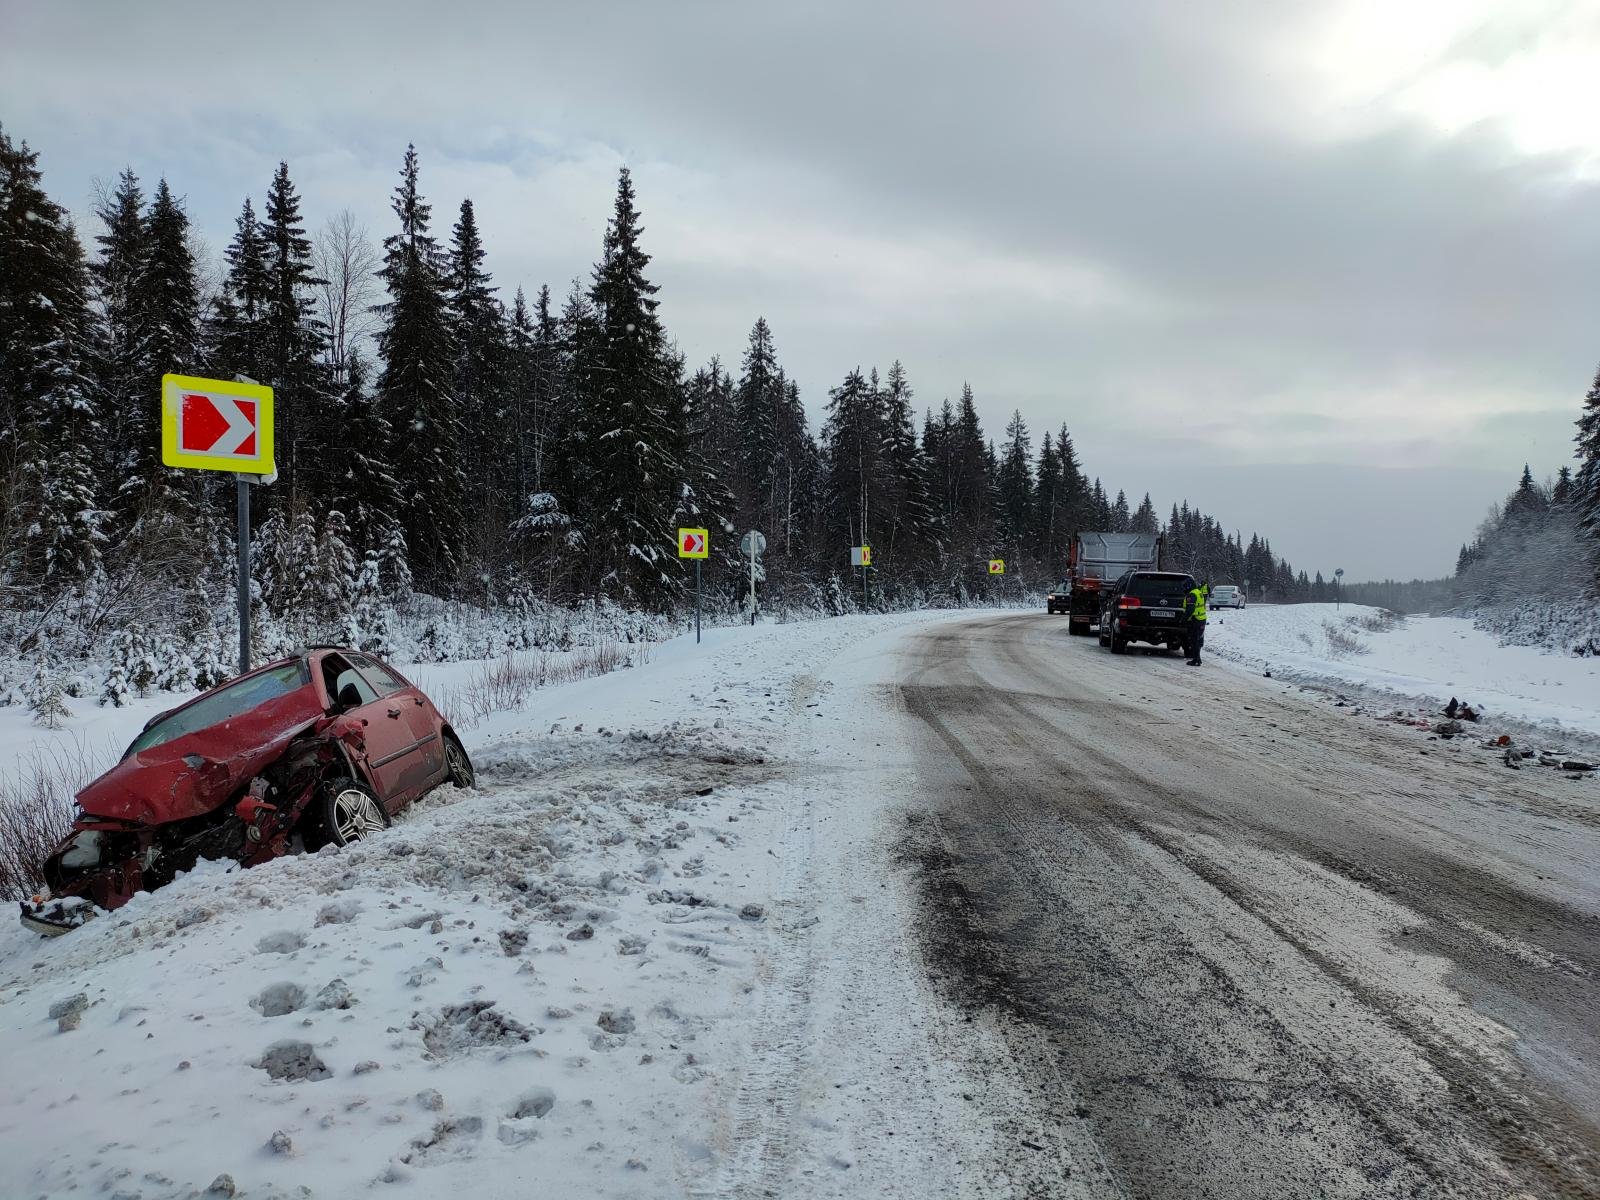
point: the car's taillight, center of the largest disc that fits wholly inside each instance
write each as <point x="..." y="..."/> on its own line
<point x="1128" y="602"/>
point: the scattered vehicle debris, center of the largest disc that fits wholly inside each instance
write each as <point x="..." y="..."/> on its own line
<point x="322" y="747"/>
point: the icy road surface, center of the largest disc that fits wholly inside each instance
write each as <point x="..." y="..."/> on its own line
<point x="1241" y="943"/>
<point x="904" y="906"/>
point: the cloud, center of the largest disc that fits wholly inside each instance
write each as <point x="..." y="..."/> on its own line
<point x="1347" y="233"/>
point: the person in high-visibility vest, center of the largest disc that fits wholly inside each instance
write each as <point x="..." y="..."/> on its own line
<point x="1194" y="634"/>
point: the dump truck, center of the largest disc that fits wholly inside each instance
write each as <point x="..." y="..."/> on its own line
<point x="1095" y="562"/>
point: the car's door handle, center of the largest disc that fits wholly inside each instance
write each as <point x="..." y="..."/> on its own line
<point x="395" y="713"/>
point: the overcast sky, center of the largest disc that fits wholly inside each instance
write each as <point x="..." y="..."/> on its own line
<point x="1330" y="271"/>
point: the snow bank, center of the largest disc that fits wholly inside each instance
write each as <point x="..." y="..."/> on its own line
<point x="1422" y="660"/>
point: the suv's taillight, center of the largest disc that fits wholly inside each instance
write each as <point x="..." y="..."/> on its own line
<point x="1128" y="602"/>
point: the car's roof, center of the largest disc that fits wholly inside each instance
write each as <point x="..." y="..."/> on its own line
<point x="1162" y="575"/>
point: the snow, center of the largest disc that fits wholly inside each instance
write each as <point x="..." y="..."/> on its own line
<point x="1421" y="660"/>
<point x="562" y="976"/>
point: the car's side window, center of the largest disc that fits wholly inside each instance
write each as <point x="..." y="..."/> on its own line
<point x="385" y="680"/>
<point x="340" y="675"/>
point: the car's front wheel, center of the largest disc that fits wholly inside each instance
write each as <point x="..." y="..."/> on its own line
<point x="458" y="766"/>
<point x="350" y="812"/>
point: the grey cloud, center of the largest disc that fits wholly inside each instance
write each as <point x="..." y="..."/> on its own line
<point x="1273" y="267"/>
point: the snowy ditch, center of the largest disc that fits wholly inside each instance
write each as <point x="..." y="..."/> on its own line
<point x="533" y="963"/>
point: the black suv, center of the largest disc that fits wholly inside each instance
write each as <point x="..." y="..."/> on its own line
<point x="1145" y="606"/>
<point x="1060" y="599"/>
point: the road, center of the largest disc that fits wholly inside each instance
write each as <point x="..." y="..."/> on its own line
<point x="1237" y="942"/>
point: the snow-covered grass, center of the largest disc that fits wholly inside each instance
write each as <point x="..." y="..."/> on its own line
<point x="547" y="985"/>
<point x="1419" y="660"/>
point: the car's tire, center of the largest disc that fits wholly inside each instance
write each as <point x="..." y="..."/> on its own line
<point x="1105" y="638"/>
<point x="457" y="765"/>
<point x="1118" y="645"/>
<point x="347" y="812"/>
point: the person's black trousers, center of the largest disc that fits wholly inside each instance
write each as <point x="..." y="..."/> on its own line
<point x="1194" y="638"/>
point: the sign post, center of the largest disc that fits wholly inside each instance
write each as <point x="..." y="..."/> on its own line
<point x="222" y="425"/>
<point x="695" y="544"/>
<point x="861" y="556"/>
<point x="1338" y="574"/>
<point x="753" y="544"/>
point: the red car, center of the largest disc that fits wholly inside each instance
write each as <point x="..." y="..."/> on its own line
<point x="315" y="749"/>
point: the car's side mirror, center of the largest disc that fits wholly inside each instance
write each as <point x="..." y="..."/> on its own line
<point x="349" y="696"/>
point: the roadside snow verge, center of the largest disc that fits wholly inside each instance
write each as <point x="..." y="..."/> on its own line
<point x="1416" y="660"/>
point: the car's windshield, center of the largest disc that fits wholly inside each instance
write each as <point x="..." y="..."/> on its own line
<point x="232" y="700"/>
<point x="1063" y="586"/>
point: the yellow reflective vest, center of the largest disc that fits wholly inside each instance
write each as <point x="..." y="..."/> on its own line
<point x="1197" y="605"/>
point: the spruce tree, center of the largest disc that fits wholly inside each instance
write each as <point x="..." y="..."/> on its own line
<point x="1046" y="499"/>
<point x="50" y="523"/>
<point x="1586" y="485"/>
<point x="760" y="399"/>
<point x="122" y="369"/>
<point x="480" y="388"/>
<point x="365" y="489"/>
<point x="856" y="483"/>
<point x="417" y="388"/>
<point x="1144" y="519"/>
<point x="910" y="522"/>
<point x="545" y="421"/>
<point x="1015" y="488"/>
<point x="295" y="340"/>
<point x="239" y="335"/>
<point x="631" y="415"/>
<point x="1121" y="518"/>
<point x="167" y="303"/>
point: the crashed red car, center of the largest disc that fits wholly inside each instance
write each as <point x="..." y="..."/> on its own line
<point x="315" y="749"/>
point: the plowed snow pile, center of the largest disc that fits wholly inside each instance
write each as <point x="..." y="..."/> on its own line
<point x="1422" y="660"/>
<point x="526" y="989"/>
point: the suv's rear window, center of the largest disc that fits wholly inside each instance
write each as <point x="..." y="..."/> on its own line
<point x="1155" y="587"/>
<point x="220" y="706"/>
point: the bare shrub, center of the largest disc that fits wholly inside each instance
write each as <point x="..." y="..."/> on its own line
<point x="1381" y="621"/>
<point x="37" y="810"/>
<point x="1341" y="642"/>
<point x="506" y="684"/>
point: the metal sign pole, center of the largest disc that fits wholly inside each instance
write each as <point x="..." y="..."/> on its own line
<point x="242" y="482"/>
<point x="697" y="601"/>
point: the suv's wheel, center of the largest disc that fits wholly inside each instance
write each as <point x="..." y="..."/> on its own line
<point x="457" y="764"/>
<point x="1118" y="645"/>
<point x="348" y="811"/>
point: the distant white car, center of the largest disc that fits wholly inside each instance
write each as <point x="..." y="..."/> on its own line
<point x="1225" y="596"/>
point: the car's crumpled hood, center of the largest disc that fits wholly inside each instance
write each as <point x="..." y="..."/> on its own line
<point x="158" y="785"/>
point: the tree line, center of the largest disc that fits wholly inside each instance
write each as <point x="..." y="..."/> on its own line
<point x="436" y="436"/>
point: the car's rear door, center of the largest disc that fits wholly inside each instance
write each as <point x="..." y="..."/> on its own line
<point x="428" y="767"/>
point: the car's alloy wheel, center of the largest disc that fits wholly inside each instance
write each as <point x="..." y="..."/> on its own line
<point x="458" y="765"/>
<point x="354" y="813"/>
